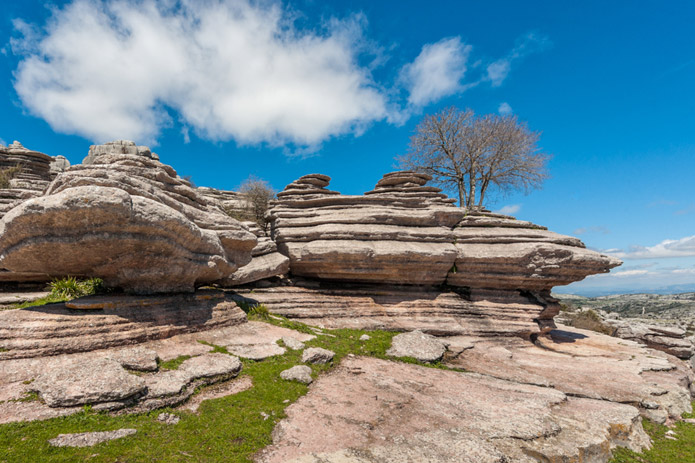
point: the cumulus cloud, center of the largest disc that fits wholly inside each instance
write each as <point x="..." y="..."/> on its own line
<point x="437" y="71"/>
<point x="498" y="70"/>
<point x="629" y="273"/>
<point x="504" y="109"/>
<point x="230" y="69"/>
<point x="509" y="209"/>
<point x="223" y="69"/>
<point x="684" y="247"/>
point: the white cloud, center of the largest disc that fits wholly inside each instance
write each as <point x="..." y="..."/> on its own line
<point x="509" y="209"/>
<point x="684" y="247"/>
<point x="230" y="69"/>
<point x="498" y="70"/>
<point x="437" y="71"/>
<point x="505" y="109"/>
<point x="684" y="271"/>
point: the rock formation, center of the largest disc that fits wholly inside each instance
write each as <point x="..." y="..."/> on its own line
<point x="399" y="233"/>
<point x="350" y="251"/>
<point x="125" y="217"/>
<point x="267" y="262"/>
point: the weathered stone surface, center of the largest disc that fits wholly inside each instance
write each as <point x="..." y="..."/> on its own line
<point x="256" y="351"/>
<point x="58" y="164"/>
<point x="112" y="320"/>
<point x="217" y="391"/>
<point x="87" y="382"/>
<point x="89" y="439"/>
<point x="418" y="345"/>
<point x="406" y="308"/>
<point x="497" y="251"/>
<point x="135" y="358"/>
<point x="18" y="297"/>
<point x="30" y="181"/>
<point x="293" y="343"/>
<point x="301" y="373"/>
<point x="170" y="388"/>
<point x="669" y="339"/>
<point x="587" y="364"/>
<point x="422" y="414"/>
<point x="168" y="418"/>
<point x="317" y="355"/>
<point x="398" y="233"/>
<point x="129" y="219"/>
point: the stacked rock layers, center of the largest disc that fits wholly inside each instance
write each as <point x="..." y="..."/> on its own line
<point x="125" y="217"/>
<point x="401" y="232"/>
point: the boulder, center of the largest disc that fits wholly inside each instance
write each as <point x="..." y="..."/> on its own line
<point x="127" y="218"/>
<point x="317" y="355"/>
<point x="300" y="373"/>
<point x="418" y="345"/>
<point x="401" y="232"/>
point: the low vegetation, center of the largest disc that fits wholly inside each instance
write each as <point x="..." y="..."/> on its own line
<point x="65" y="289"/>
<point x="8" y="174"/>
<point x="670" y="445"/>
<point x="588" y="320"/>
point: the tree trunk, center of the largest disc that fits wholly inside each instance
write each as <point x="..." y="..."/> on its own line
<point x="462" y="193"/>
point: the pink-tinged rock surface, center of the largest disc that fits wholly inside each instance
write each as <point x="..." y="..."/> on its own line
<point x="371" y="410"/>
<point x="401" y="232"/>
<point x="587" y="364"/>
<point x="127" y="218"/>
<point x="100" y="322"/>
<point x="498" y="251"/>
<point x="407" y="308"/>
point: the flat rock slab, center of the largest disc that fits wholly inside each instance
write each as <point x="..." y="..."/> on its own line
<point x="416" y="344"/>
<point x="256" y="351"/>
<point x="372" y="410"/>
<point x="87" y="382"/>
<point x="89" y="439"/>
<point x="587" y="364"/>
<point x="301" y="373"/>
<point x="21" y="297"/>
<point x="293" y="343"/>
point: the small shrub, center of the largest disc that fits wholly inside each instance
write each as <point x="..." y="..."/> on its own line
<point x="71" y="287"/>
<point x="8" y="174"/>
<point x="259" y="311"/>
<point x="590" y="320"/>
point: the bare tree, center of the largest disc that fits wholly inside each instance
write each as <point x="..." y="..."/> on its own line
<point x="258" y="195"/>
<point x="468" y="154"/>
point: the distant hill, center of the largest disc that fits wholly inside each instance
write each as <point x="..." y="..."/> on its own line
<point x="674" y="306"/>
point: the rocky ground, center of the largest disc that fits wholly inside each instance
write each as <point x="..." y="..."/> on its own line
<point x="238" y="392"/>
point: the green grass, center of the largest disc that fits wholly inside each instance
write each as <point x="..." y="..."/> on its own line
<point x="663" y="450"/>
<point x="65" y="289"/>
<point x="173" y="364"/>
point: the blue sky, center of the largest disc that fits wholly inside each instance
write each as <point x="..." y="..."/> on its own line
<point x="226" y="89"/>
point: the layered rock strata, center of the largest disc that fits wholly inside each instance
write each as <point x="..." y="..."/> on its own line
<point x="125" y="217"/>
<point x="669" y="339"/>
<point x="31" y="178"/>
<point x="99" y="322"/>
<point x="402" y="308"/>
<point x="401" y="232"/>
<point x="500" y="252"/>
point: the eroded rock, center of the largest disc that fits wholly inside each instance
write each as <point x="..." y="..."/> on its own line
<point x="301" y="373"/>
<point x="89" y="439"/>
<point x="317" y="355"/>
<point x="418" y="345"/>
<point x="129" y="219"/>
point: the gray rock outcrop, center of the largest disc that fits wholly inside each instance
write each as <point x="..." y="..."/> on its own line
<point x="317" y="355"/>
<point x="300" y="373"/>
<point x="417" y="345"/>
<point x="401" y="232"/>
<point x="89" y="439"/>
<point x="125" y="217"/>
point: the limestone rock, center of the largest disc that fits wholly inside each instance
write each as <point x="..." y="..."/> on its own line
<point x="418" y="345"/>
<point x="301" y="373"/>
<point x="258" y="351"/>
<point x="58" y="164"/>
<point x="398" y="233"/>
<point x="267" y="262"/>
<point x="168" y="418"/>
<point x="89" y="439"/>
<point x="407" y="308"/>
<point x="94" y="381"/>
<point x="99" y="322"/>
<point x="135" y="358"/>
<point x="32" y="178"/>
<point x="293" y="343"/>
<point x="500" y="252"/>
<point x="129" y="219"/>
<point x="669" y="339"/>
<point x="317" y="355"/>
<point x="416" y="413"/>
